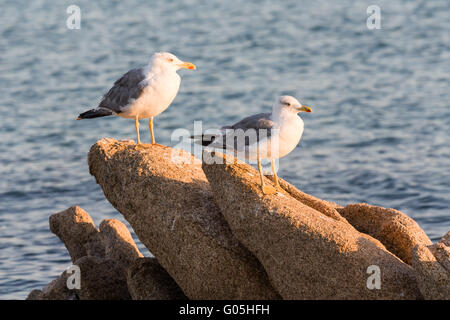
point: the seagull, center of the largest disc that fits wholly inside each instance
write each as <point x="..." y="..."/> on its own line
<point x="143" y="92"/>
<point x="275" y="135"/>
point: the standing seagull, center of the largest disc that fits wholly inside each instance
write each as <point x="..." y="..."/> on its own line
<point x="144" y="92"/>
<point x="276" y="134"/>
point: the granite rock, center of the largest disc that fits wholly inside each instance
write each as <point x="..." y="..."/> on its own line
<point x="398" y="232"/>
<point x="147" y="280"/>
<point x="164" y="195"/>
<point x="307" y="254"/>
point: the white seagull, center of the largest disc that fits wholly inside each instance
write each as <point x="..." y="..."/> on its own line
<point x="143" y="92"/>
<point x="275" y="135"/>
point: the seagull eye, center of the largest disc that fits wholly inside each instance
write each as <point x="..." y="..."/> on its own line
<point x="287" y="104"/>
<point x="170" y="59"/>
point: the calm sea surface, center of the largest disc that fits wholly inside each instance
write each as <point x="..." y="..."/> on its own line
<point x="379" y="132"/>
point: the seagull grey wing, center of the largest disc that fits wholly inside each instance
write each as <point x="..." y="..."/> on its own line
<point x="255" y="122"/>
<point x="125" y="90"/>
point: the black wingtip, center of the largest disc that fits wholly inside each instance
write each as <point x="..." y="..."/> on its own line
<point x="95" y="113"/>
<point x="204" y="140"/>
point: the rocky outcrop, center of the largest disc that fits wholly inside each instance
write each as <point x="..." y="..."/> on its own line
<point x="119" y="244"/>
<point x="164" y="195"/>
<point x="103" y="277"/>
<point x="75" y="228"/>
<point x="55" y="290"/>
<point x="216" y="236"/>
<point x="307" y="254"/>
<point x="147" y="280"/>
<point x="398" y="232"/>
<point x="103" y="257"/>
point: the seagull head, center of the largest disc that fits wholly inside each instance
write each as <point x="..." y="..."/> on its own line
<point x="290" y="104"/>
<point x="166" y="61"/>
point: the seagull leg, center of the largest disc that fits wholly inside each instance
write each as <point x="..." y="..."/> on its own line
<point x="136" y="124"/>
<point x="152" y="134"/>
<point x="275" y="177"/>
<point x="265" y="189"/>
<point x="150" y="125"/>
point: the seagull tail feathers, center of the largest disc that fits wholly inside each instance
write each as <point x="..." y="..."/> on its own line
<point x="95" y="113"/>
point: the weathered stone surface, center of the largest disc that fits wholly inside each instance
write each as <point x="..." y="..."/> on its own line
<point x="442" y="254"/>
<point x="103" y="257"/>
<point x="433" y="278"/>
<point x="77" y="231"/>
<point x="35" y="294"/>
<point x="306" y="254"/>
<point x="170" y="206"/>
<point x="398" y="232"/>
<point x="326" y="207"/>
<point x="147" y="280"/>
<point x="102" y="279"/>
<point x="446" y="239"/>
<point x="119" y="244"/>
<point x="55" y="290"/>
<point x="107" y="256"/>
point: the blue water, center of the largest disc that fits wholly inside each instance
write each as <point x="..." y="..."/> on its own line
<point x="379" y="132"/>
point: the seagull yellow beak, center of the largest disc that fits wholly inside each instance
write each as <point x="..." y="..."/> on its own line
<point x="304" y="109"/>
<point x="187" y="65"/>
